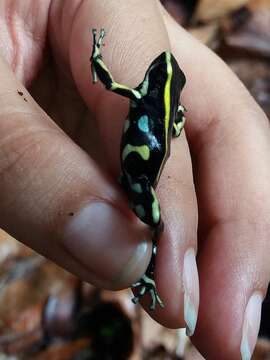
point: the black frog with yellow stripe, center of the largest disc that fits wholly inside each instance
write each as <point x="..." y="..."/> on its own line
<point x="155" y="115"/>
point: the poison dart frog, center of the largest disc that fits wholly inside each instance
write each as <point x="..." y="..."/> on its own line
<point x="155" y="115"/>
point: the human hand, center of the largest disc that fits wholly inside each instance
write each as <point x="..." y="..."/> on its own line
<point x="47" y="180"/>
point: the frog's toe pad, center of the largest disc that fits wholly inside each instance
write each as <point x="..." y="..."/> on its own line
<point x="177" y="128"/>
<point x="147" y="285"/>
<point x="101" y="37"/>
<point x="135" y="300"/>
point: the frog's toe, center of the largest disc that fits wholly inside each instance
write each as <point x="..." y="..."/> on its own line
<point x="147" y="286"/>
<point x="177" y="128"/>
<point x="176" y="133"/>
<point x="160" y="302"/>
<point x="102" y="33"/>
<point x="101" y="37"/>
<point x="136" y="284"/>
<point x="135" y="300"/>
<point x="153" y="298"/>
<point x="94" y="33"/>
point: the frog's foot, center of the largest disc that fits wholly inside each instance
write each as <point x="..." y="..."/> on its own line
<point x="179" y="121"/>
<point x="177" y="128"/>
<point x="182" y="108"/>
<point x="96" y="54"/>
<point x="98" y="42"/>
<point x="101" y="37"/>
<point x="147" y="284"/>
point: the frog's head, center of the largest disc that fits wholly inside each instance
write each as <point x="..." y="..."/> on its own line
<point x="155" y="77"/>
<point x="163" y="73"/>
<point x="163" y="79"/>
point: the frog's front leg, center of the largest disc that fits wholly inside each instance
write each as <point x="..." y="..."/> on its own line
<point x="179" y="122"/>
<point x="100" y="70"/>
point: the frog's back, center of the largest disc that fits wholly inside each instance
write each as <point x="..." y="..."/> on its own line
<point x="162" y="84"/>
<point x="146" y="140"/>
<point x="161" y="90"/>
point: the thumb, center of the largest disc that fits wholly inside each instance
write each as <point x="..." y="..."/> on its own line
<point x="56" y="200"/>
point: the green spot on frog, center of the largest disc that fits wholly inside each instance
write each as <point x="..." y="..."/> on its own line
<point x="143" y="123"/>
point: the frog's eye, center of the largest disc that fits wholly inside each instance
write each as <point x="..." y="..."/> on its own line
<point x="159" y="64"/>
<point x="157" y="76"/>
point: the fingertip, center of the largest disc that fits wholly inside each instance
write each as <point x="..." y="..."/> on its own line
<point x="108" y="244"/>
<point x="234" y="277"/>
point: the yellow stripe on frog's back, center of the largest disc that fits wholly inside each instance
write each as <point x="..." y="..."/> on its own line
<point x="167" y="108"/>
<point x="167" y="96"/>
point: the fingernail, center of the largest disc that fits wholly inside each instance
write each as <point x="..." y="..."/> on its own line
<point x="112" y="247"/>
<point x="251" y="325"/>
<point x="191" y="291"/>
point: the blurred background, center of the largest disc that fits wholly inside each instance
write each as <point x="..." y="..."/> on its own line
<point x="47" y="313"/>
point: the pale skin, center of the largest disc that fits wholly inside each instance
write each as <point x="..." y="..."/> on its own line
<point x="47" y="175"/>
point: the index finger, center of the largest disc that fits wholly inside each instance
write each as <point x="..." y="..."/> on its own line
<point x="229" y="138"/>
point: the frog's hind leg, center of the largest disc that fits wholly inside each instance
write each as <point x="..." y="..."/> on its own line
<point x="147" y="284"/>
<point x="144" y="201"/>
<point x="146" y="206"/>
<point x="179" y="121"/>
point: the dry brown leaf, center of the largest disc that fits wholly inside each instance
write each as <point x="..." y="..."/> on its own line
<point x="248" y="30"/>
<point x="64" y="351"/>
<point x="254" y="34"/>
<point x="10" y="247"/>
<point x="208" y="10"/>
<point x="20" y="294"/>
<point x="26" y="331"/>
<point x="207" y="34"/>
<point x="255" y="74"/>
<point x="29" y="319"/>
